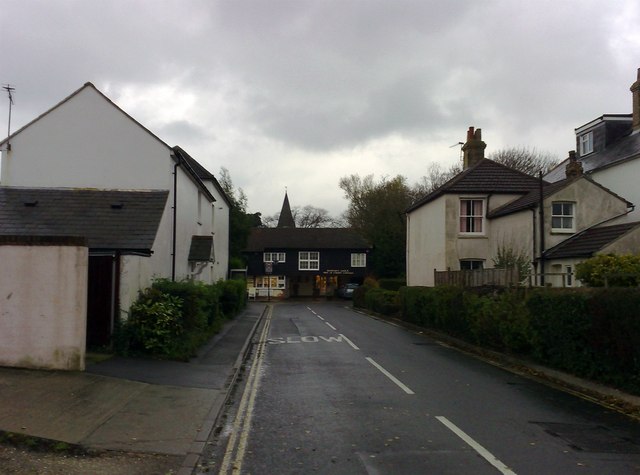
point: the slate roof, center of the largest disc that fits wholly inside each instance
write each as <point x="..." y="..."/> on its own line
<point x="110" y="219"/>
<point x="315" y="239"/>
<point x="201" y="249"/>
<point x="627" y="148"/>
<point x="285" y="220"/>
<point x="486" y="176"/>
<point x="201" y="172"/>
<point x="589" y="241"/>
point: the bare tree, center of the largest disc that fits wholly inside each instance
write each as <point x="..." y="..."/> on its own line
<point x="526" y="160"/>
<point x="307" y="217"/>
<point x="436" y="177"/>
<point x="523" y="159"/>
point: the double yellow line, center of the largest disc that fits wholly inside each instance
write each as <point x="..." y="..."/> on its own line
<point x="237" y="446"/>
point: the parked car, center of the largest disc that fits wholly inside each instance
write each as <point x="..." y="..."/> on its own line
<point x="346" y="291"/>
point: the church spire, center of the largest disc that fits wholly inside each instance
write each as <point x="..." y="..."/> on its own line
<point x="286" y="217"/>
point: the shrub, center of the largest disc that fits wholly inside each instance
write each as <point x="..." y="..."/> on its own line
<point x="155" y="324"/>
<point x="173" y="319"/>
<point x="612" y="270"/>
<point x="384" y="302"/>
<point x="233" y="296"/>
<point x="392" y="284"/>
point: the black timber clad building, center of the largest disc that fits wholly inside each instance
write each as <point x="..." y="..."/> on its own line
<point x="286" y="261"/>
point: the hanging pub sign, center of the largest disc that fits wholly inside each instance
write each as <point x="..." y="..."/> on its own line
<point x="268" y="267"/>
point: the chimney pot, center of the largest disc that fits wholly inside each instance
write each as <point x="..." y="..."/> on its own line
<point x="574" y="167"/>
<point x="473" y="149"/>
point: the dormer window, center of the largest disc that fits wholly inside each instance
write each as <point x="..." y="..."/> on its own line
<point x="586" y="143"/>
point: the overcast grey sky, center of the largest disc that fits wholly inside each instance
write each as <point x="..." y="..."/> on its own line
<point x="299" y="93"/>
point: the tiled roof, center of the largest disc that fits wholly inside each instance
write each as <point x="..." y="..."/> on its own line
<point x="304" y="238"/>
<point x="627" y="148"/>
<point x="589" y="241"/>
<point x="201" y="248"/>
<point x="531" y="199"/>
<point x="486" y="176"/>
<point x="109" y="219"/>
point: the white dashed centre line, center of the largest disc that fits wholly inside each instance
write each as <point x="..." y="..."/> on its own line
<point x="390" y="376"/>
<point x="331" y="326"/>
<point x="484" y="453"/>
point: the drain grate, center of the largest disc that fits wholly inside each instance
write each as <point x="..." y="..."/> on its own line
<point x="588" y="438"/>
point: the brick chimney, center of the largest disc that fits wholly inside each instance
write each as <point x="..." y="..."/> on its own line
<point x="574" y="167"/>
<point x="635" y="91"/>
<point x="473" y="149"/>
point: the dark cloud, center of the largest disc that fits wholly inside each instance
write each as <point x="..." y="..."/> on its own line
<point x="303" y="78"/>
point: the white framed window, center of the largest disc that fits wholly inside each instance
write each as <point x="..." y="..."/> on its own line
<point x="562" y="217"/>
<point x="270" y="281"/>
<point x="308" y="260"/>
<point x="358" y="259"/>
<point x="471" y="264"/>
<point x="569" y="280"/>
<point x="471" y="216"/>
<point x="586" y="143"/>
<point x="274" y="257"/>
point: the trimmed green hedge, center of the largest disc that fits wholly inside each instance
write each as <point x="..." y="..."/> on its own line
<point x="173" y="320"/>
<point x="592" y="333"/>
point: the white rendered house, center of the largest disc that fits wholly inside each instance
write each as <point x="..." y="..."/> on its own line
<point x="87" y="141"/>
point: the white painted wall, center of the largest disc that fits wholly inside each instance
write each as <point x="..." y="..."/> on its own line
<point x="220" y="214"/>
<point x="623" y="180"/>
<point x="425" y="242"/>
<point x="86" y="141"/>
<point x="43" y="310"/>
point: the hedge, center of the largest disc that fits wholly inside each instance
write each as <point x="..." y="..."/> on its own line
<point x="592" y="333"/>
<point x="173" y="320"/>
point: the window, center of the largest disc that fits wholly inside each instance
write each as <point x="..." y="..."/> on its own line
<point x="273" y="282"/>
<point x="274" y="257"/>
<point x="586" y="143"/>
<point x="562" y="217"/>
<point x="569" y="276"/>
<point x="471" y="264"/>
<point x="308" y="260"/>
<point x="358" y="259"/>
<point x="471" y="216"/>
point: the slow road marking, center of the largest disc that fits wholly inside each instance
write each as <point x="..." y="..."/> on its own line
<point x="484" y="453"/>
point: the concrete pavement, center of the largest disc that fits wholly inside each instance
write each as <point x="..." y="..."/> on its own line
<point x="129" y="404"/>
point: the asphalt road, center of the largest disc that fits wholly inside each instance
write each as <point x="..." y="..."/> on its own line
<point x="331" y="391"/>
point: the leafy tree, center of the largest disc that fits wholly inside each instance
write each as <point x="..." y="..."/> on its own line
<point x="240" y="222"/>
<point x="377" y="211"/>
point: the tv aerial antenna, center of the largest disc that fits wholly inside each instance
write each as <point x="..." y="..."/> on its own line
<point x="9" y="88"/>
<point x="459" y="144"/>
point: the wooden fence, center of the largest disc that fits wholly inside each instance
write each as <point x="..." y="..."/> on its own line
<point x="477" y="278"/>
